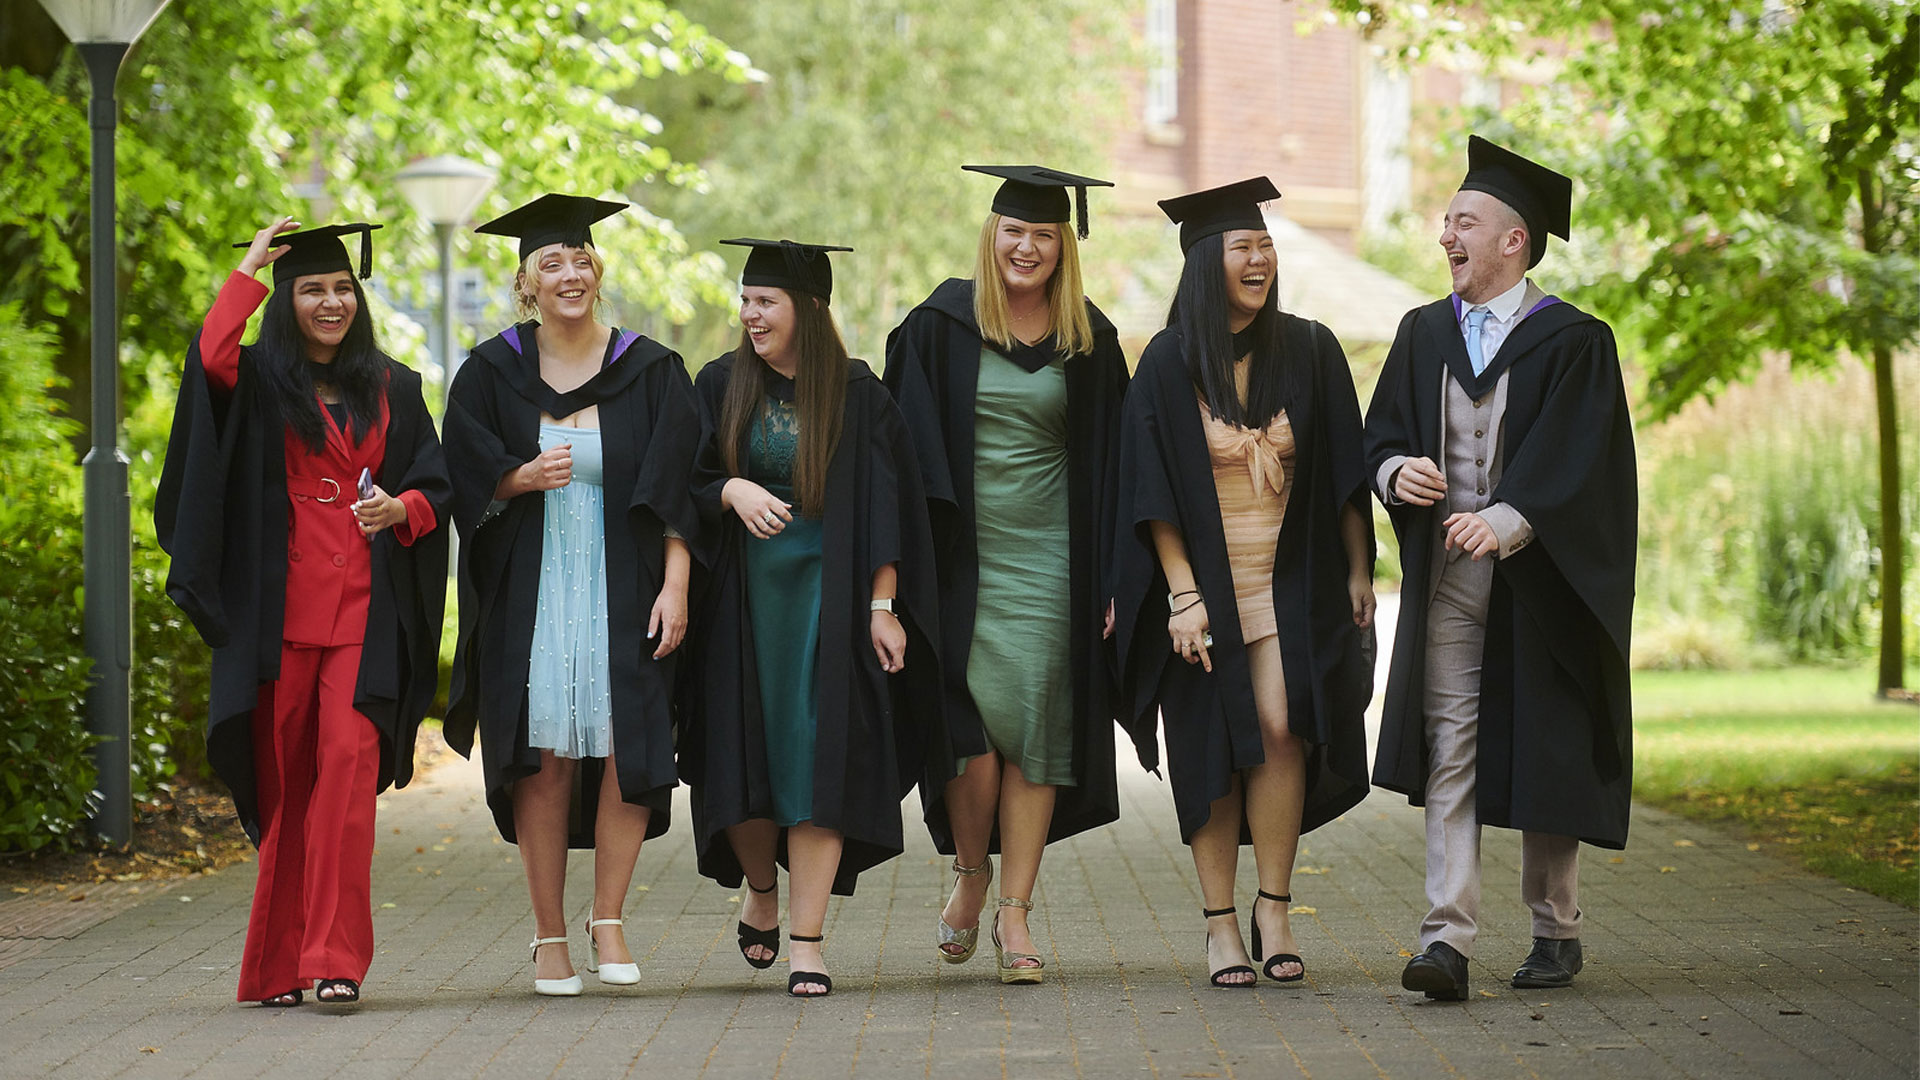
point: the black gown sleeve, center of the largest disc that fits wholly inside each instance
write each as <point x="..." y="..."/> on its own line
<point x="476" y="450"/>
<point x="1389" y="429"/>
<point x="663" y="491"/>
<point x="1572" y="476"/>
<point x="1148" y="475"/>
<point x="913" y="351"/>
<point x="416" y="573"/>
<point x="190" y="505"/>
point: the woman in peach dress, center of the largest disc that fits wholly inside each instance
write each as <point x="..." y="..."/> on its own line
<point x="1244" y="512"/>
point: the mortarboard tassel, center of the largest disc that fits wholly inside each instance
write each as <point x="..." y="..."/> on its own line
<point x="1080" y="207"/>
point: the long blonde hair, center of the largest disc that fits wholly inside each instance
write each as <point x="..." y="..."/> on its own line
<point x="525" y="303"/>
<point x="1066" y="300"/>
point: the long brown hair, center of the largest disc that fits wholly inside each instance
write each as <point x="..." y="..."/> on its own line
<point x="1066" y="300"/>
<point x="819" y="389"/>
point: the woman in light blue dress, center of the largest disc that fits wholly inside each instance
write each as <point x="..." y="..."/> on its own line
<point x="574" y="509"/>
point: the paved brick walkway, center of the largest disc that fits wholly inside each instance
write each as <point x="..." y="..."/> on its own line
<point x="1703" y="959"/>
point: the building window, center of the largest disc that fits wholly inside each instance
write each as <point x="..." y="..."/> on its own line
<point x="1386" y="126"/>
<point x="1163" y="63"/>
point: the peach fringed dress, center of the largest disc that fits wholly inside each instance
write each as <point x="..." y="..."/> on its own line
<point x="1252" y="475"/>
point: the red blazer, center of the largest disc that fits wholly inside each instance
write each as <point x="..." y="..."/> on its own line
<point x="329" y="565"/>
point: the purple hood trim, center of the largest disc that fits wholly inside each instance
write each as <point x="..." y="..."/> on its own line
<point x="511" y="335"/>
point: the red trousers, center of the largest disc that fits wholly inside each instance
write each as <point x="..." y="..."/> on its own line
<point x="316" y="763"/>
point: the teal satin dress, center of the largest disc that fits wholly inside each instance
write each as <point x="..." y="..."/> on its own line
<point x="783" y="600"/>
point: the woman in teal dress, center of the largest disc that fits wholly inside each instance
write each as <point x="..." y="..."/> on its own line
<point x="1012" y="383"/>
<point x="803" y="737"/>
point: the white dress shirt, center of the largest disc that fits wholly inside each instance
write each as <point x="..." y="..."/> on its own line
<point x="1503" y="313"/>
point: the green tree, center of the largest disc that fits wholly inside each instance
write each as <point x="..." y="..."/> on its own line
<point x="856" y="134"/>
<point x="229" y="113"/>
<point x="1756" y="164"/>
<point x="228" y="108"/>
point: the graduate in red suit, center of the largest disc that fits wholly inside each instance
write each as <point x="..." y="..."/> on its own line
<point x="320" y="592"/>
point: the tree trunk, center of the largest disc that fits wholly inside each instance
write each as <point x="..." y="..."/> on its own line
<point x="1893" y="533"/>
<point x="1892" y="527"/>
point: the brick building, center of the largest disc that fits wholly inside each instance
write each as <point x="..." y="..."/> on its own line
<point x="1234" y="88"/>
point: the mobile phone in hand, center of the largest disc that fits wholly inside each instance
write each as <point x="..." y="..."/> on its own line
<point x="366" y="484"/>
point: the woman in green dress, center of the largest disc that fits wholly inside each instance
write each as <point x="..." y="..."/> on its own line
<point x="1012" y="382"/>
<point x="821" y="588"/>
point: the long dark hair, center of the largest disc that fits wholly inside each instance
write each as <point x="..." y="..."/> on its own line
<point x="286" y="378"/>
<point x="819" y="389"/>
<point x="1200" y="312"/>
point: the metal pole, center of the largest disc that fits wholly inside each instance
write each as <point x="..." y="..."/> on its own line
<point x="448" y="349"/>
<point x="108" y="522"/>
<point x="447" y="344"/>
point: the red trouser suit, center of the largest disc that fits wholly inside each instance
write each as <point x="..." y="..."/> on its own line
<point x="316" y="759"/>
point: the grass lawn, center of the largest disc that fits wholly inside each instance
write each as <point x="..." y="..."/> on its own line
<point x="1806" y="760"/>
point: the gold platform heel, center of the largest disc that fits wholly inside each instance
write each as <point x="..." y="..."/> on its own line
<point x="968" y="939"/>
<point x="1006" y="960"/>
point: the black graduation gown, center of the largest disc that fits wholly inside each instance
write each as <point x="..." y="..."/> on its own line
<point x="221" y="513"/>
<point x="1212" y="722"/>
<point x="933" y="368"/>
<point x="1556" y="722"/>
<point x="649" y="431"/>
<point x="872" y="727"/>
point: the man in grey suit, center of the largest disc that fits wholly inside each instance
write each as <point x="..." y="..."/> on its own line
<point x="1500" y="441"/>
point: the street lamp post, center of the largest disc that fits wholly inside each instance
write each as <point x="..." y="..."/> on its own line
<point x="104" y="30"/>
<point x="444" y="190"/>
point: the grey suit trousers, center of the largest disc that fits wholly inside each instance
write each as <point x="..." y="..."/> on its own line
<point x="1549" y="864"/>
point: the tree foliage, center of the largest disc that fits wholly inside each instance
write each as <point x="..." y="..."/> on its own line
<point x="866" y="113"/>
<point x="1754" y="167"/>
<point x="225" y="109"/>
<point x="231" y="113"/>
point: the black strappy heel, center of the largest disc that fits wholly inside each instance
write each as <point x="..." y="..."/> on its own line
<point x="1237" y="969"/>
<point x="795" y="979"/>
<point x="345" y="992"/>
<point x="766" y="939"/>
<point x="283" y="1001"/>
<point x="1268" y="963"/>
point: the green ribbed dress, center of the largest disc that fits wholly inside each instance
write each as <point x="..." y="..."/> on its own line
<point x="1018" y="669"/>
<point x="783" y="600"/>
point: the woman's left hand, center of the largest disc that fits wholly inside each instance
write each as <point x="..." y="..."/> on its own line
<point x="380" y="511"/>
<point x="1106" y="631"/>
<point x="889" y="641"/>
<point x="1360" y="594"/>
<point x="668" y="622"/>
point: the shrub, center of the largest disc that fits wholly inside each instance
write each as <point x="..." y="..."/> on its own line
<point x="43" y="679"/>
<point x="1761" y="511"/>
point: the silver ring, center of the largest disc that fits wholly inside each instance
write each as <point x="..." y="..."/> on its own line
<point x="1207" y="642"/>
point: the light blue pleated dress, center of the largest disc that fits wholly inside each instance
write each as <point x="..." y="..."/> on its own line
<point x="569" y="689"/>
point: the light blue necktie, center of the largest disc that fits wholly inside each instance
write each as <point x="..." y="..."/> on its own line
<point x="1476" y="318"/>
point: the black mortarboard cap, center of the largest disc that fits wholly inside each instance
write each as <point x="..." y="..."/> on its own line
<point x="784" y="264"/>
<point x="552" y="219"/>
<point x="1217" y="210"/>
<point x="1543" y="198"/>
<point x="1037" y="194"/>
<point x="320" y="251"/>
